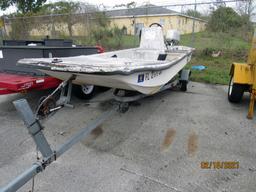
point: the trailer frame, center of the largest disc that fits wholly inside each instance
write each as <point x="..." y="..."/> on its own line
<point x="35" y="128"/>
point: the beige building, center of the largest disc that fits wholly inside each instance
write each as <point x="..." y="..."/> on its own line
<point x="132" y="20"/>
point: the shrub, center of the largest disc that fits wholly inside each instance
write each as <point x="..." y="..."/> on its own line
<point x="224" y="19"/>
<point x="110" y="38"/>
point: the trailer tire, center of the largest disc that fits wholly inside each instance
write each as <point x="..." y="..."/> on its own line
<point x="123" y="107"/>
<point x="84" y="91"/>
<point x="103" y="89"/>
<point x="235" y="91"/>
<point x="183" y="85"/>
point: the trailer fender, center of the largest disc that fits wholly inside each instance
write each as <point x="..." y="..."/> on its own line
<point x="242" y="73"/>
<point x="185" y="74"/>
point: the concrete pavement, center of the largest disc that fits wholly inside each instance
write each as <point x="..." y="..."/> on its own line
<point x="157" y="145"/>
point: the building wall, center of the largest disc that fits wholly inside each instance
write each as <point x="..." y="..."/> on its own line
<point x="59" y="29"/>
<point x="181" y="23"/>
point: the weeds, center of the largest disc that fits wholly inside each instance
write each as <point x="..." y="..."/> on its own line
<point x="233" y="47"/>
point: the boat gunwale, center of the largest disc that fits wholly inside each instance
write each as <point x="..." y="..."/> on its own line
<point x="117" y="72"/>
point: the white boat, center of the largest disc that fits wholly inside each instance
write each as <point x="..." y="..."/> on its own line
<point x="144" y="69"/>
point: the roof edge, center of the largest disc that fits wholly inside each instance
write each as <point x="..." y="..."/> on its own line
<point x="152" y="15"/>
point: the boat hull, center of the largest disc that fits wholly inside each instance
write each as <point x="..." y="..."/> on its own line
<point x="146" y="82"/>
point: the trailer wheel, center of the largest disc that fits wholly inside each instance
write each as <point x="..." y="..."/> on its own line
<point x="103" y="89"/>
<point x="123" y="107"/>
<point x="235" y="91"/>
<point x="183" y="85"/>
<point x="84" y="91"/>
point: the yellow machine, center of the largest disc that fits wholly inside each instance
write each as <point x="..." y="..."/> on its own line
<point x="243" y="78"/>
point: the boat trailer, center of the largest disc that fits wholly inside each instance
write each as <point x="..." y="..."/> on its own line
<point x="49" y="155"/>
<point x="35" y="129"/>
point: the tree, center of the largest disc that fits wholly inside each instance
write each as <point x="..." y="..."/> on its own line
<point x="193" y="13"/>
<point x="129" y="5"/>
<point x="224" y="19"/>
<point x="61" y="7"/>
<point x="246" y="7"/>
<point x="67" y="11"/>
<point x="119" y="5"/>
<point x="23" y="6"/>
<point x="101" y="19"/>
<point x="219" y="3"/>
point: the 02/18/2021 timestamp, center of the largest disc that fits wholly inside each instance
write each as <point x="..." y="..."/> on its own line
<point x="219" y="164"/>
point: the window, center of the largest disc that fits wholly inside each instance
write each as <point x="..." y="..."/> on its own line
<point x="138" y="27"/>
<point x="162" y="21"/>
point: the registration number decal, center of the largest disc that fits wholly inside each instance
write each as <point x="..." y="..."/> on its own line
<point x="148" y="76"/>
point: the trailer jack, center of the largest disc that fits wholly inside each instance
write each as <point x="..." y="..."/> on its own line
<point x="49" y="104"/>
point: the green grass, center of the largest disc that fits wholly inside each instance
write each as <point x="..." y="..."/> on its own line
<point x="234" y="49"/>
<point x="130" y="41"/>
<point x="212" y="40"/>
<point x="217" y="70"/>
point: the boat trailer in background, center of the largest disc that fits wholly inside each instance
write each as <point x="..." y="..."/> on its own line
<point x="16" y="79"/>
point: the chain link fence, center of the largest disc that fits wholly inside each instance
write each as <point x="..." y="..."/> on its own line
<point x="113" y="29"/>
<point x="83" y="28"/>
<point x="95" y="27"/>
<point x="53" y="26"/>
